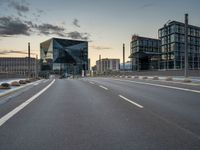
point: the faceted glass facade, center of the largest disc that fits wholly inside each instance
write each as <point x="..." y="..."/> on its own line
<point x="145" y="53"/>
<point x="172" y="38"/>
<point x="64" y="56"/>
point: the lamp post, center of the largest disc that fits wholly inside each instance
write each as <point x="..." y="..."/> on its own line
<point x="123" y="57"/>
<point x="186" y="46"/>
<point x="29" y="61"/>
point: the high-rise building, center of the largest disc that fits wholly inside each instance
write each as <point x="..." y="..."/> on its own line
<point x="145" y="53"/>
<point x="172" y="37"/>
<point x="64" y="56"/>
<point x="106" y="64"/>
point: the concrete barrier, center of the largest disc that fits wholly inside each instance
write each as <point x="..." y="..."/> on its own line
<point x="169" y="78"/>
<point x="144" y="78"/>
<point x="155" y="78"/>
<point x="187" y="80"/>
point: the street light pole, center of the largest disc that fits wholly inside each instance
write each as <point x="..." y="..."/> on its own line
<point x="123" y="57"/>
<point x="100" y="64"/>
<point x="29" y="60"/>
<point x="186" y="46"/>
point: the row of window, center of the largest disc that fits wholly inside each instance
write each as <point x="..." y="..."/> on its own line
<point x="178" y="56"/>
<point x="180" y="39"/>
<point x="147" y="43"/>
<point x="145" y="49"/>
<point x="179" y="29"/>
<point x="180" y="47"/>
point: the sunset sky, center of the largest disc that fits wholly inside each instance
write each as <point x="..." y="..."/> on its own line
<point x="106" y="24"/>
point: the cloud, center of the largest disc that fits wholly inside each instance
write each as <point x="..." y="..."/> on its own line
<point x="76" y="23"/>
<point x="13" y="26"/>
<point x="78" y="35"/>
<point x="20" y="8"/>
<point x="100" y="47"/>
<point x="47" y="29"/>
<point x="5" y="52"/>
<point x="10" y="26"/>
<point x="146" y="5"/>
<point x="40" y="11"/>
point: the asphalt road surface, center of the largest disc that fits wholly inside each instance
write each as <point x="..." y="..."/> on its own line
<point x="101" y="114"/>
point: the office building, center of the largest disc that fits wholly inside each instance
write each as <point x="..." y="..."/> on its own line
<point x="145" y="53"/>
<point x="18" y="65"/>
<point x="64" y="56"/>
<point x="106" y="65"/>
<point x="172" y="37"/>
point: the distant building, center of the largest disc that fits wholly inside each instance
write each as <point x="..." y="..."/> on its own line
<point x="106" y="64"/>
<point x="173" y="46"/>
<point x="128" y="66"/>
<point x="145" y="53"/>
<point x="64" y="56"/>
<point x="17" y="65"/>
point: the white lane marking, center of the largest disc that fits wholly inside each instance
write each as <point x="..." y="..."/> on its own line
<point x="159" y="85"/>
<point x="24" y="104"/>
<point x="128" y="100"/>
<point x="45" y="81"/>
<point x="105" y="88"/>
<point x="91" y="82"/>
<point x="35" y="83"/>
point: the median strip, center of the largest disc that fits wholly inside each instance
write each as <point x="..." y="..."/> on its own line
<point x="24" y="104"/>
<point x="128" y="100"/>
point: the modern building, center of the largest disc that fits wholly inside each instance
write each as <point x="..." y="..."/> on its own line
<point x="145" y="53"/>
<point x="64" y="56"/>
<point x="106" y="65"/>
<point x="18" y="65"/>
<point x="173" y="46"/>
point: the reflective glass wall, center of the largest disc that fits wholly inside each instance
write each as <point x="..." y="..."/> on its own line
<point x="64" y="56"/>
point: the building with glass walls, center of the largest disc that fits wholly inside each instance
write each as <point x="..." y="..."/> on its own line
<point x="172" y="37"/>
<point x="145" y="53"/>
<point x="64" y="56"/>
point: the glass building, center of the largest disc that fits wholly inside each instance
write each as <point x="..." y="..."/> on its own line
<point x="172" y="37"/>
<point x="64" y="56"/>
<point x="145" y="53"/>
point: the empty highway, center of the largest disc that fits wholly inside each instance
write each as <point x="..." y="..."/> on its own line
<point x="101" y="114"/>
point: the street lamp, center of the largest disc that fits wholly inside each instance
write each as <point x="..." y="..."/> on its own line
<point x="186" y="46"/>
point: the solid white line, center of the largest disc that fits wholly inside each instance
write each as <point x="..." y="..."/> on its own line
<point x="91" y="82"/>
<point x="105" y="88"/>
<point x="159" y="85"/>
<point x="134" y="103"/>
<point x="20" y="107"/>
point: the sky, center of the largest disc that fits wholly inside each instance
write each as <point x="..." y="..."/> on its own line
<point x="106" y="24"/>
